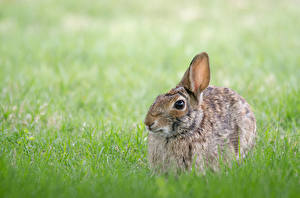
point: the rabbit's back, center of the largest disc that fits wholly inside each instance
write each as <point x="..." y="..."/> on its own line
<point x="228" y="122"/>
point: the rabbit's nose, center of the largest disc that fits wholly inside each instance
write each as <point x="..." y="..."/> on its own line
<point x="149" y="124"/>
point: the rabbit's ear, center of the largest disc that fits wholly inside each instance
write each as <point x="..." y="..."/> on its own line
<point x="197" y="76"/>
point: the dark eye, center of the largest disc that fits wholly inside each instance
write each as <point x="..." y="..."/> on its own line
<point x="179" y="104"/>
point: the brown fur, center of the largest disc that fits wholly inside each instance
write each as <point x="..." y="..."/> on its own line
<point x="215" y="124"/>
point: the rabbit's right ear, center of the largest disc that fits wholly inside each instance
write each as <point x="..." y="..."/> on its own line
<point x="197" y="76"/>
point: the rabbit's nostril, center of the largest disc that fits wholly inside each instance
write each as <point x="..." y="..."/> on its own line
<point x="150" y="125"/>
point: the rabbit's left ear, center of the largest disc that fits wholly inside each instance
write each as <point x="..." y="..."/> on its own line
<point x="197" y="76"/>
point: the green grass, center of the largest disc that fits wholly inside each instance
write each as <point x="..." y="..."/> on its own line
<point x="77" y="78"/>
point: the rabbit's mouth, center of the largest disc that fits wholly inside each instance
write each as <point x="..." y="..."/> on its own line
<point x="160" y="130"/>
<point x="164" y="130"/>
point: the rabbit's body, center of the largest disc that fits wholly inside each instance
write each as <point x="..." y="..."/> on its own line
<point x="194" y="125"/>
<point x="223" y="128"/>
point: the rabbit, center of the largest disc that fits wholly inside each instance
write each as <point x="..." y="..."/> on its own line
<point x="195" y="125"/>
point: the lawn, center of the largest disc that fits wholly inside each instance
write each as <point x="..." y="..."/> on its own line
<point x="77" y="78"/>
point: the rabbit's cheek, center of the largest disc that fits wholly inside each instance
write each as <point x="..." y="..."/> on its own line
<point x="178" y="113"/>
<point x="162" y="123"/>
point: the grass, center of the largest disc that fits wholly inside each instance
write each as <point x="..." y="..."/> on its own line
<point x="77" y="79"/>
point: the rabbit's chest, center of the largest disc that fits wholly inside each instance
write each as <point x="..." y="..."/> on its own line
<point x="179" y="153"/>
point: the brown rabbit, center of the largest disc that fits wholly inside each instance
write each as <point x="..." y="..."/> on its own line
<point x="196" y="125"/>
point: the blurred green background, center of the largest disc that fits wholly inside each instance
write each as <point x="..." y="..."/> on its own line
<point x="77" y="78"/>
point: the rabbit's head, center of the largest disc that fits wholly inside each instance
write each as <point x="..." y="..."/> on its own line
<point x="179" y="111"/>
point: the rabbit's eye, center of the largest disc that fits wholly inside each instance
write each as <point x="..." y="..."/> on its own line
<point x="179" y="104"/>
